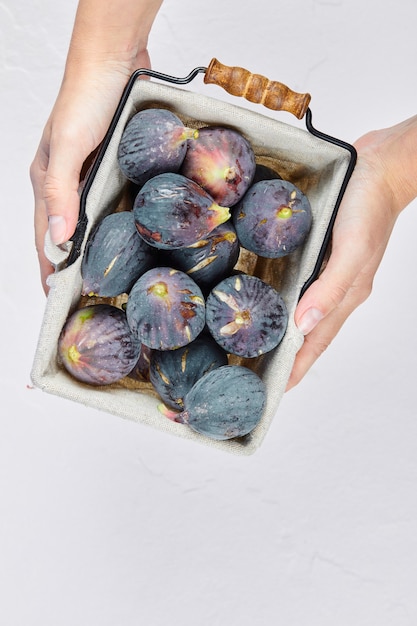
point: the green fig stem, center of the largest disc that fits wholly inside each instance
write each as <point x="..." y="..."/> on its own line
<point x="220" y="214"/>
<point x="190" y="133"/>
<point x="174" y="416"/>
<point x="159" y="289"/>
<point x="284" y="213"/>
<point x="73" y="354"/>
<point x="229" y="174"/>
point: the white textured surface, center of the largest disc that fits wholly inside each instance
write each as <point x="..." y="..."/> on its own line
<point x="104" y="522"/>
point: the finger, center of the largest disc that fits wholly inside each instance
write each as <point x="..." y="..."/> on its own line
<point x="61" y="184"/>
<point x="319" y="339"/>
<point x="359" y="241"/>
<point x="41" y="226"/>
<point x="37" y="176"/>
<point x="360" y="235"/>
<point x="349" y="254"/>
<point x="55" y="175"/>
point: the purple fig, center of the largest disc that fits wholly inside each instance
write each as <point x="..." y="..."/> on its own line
<point x="227" y="402"/>
<point x="140" y="372"/>
<point x="273" y="219"/>
<point x="264" y="172"/>
<point x="222" y="161"/>
<point x="210" y="259"/>
<point x="153" y="141"/>
<point x="246" y="316"/>
<point x="174" y="372"/>
<point x="165" y="309"/>
<point x="115" y="256"/>
<point x="172" y="211"/>
<point x="96" y="345"/>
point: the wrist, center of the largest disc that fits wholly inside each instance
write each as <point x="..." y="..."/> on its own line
<point x="404" y="173"/>
<point x="114" y="34"/>
<point x="87" y="57"/>
<point x="391" y="153"/>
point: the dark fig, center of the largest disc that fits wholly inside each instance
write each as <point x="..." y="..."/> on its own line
<point x="273" y="219"/>
<point x="222" y="161"/>
<point x="115" y="256"/>
<point x="246" y="316"/>
<point x="264" y="172"/>
<point x="96" y="345"/>
<point x="174" y="372"/>
<point x="140" y="372"/>
<point x="227" y="402"/>
<point x="172" y="211"/>
<point x="210" y="259"/>
<point x="153" y="141"/>
<point x="165" y="309"/>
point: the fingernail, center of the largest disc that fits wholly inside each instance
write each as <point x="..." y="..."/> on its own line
<point x="309" y="320"/>
<point x="57" y="228"/>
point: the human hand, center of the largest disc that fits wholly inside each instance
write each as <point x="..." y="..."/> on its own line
<point x="76" y="126"/>
<point x="108" y="43"/>
<point x="383" y="183"/>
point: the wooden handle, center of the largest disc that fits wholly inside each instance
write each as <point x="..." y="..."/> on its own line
<point x="256" y="88"/>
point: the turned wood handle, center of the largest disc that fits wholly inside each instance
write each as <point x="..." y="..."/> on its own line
<point x="256" y="88"/>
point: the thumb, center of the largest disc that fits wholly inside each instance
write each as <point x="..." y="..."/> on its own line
<point x="60" y="190"/>
<point x="349" y="259"/>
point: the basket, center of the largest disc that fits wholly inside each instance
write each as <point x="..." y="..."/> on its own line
<point x="318" y="164"/>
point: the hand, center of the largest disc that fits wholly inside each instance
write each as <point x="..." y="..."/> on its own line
<point x="382" y="184"/>
<point x="76" y="126"/>
<point x="108" y="43"/>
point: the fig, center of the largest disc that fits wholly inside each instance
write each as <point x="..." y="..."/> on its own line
<point x="174" y="372"/>
<point x="115" y="256"/>
<point x="96" y="345"/>
<point x="264" y="172"/>
<point x="172" y="211"/>
<point x="222" y="161"/>
<point x="153" y="141"/>
<point x="246" y="316"/>
<point x="227" y="402"/>
<point x="210" y="259"/>
<point x="140" y="372"/>
<point x="165" y="309"/>
<point x="273" y="219"/>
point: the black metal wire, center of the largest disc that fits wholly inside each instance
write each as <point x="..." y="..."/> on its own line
<point x="348" y="174"/>
<point x="166" y="77"/>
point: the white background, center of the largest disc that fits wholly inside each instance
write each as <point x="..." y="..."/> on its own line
<point x="108" y="523"/>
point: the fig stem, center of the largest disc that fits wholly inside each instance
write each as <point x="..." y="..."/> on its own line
<point x="190" y="133"/>
<point x="220" y="214"/>
<point x="230" y="174"/>
<point x="73" y="354"/>
<point x="284" y="213"/>
<point x="174" y="416"/>
<point x="159" y="289"/>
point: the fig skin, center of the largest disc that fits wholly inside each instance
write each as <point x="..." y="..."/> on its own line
<point x="115" y="256"/>
<point x="273" y="219"/>
<point x="96" y="345"/>
<point x="227" y="402"/>
<point x="246" y="316"/>
<point x="172" y="211"/>
<point x="173" y="372"/>
<point x="222" y="161"/>
<point x="153" y="141"/>
<point x="140" y="372"/>
<point x="165" y="309"/>
<point x="210" y="259"/>
<point x="264" y="172"/>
